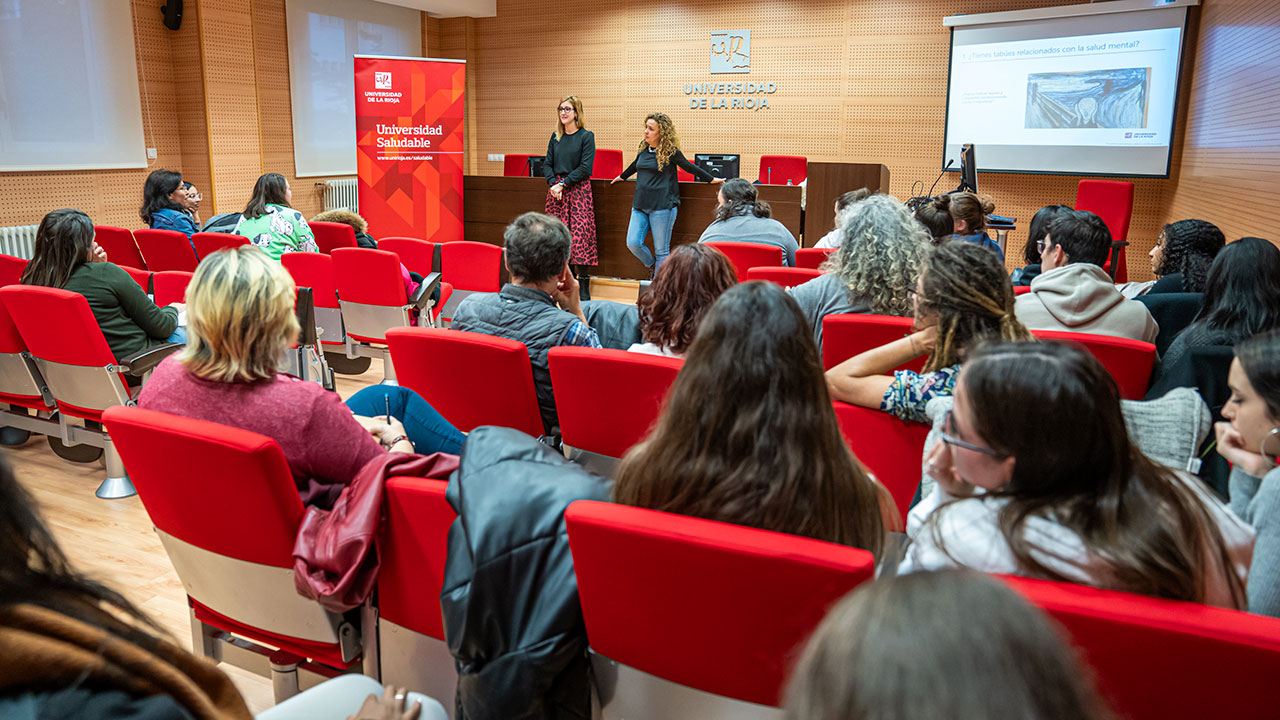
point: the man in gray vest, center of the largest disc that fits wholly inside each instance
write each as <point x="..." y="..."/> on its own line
<point x="540" y="307"/>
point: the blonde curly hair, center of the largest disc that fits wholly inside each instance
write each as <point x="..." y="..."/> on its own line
<point x="881" y="250"/>
<point x="668" y="139"/>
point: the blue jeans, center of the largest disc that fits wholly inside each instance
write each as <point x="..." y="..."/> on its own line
<point x="179" y="335"/>
<point x="661" y="221"/>
<point x="427" y="429"/>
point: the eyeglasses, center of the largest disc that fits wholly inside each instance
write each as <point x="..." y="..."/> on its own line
<point x="946" y="437"/>
<point x="197" y="197"/>
<point x="567" y="109"/>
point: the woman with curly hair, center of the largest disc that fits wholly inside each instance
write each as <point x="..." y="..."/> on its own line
<point x="963" y="299"/>
<point x="657" y="189"/>
<point x="686" y="286"/>
<point x="1182" y="255"/>
<point x="874" y="269"/>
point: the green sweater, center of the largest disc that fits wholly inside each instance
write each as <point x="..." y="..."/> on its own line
<point x="128" y="318"/>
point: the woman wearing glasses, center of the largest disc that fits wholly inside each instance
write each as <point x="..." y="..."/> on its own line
<point x="571" y="153"/>
<point x="1037" y="477"/>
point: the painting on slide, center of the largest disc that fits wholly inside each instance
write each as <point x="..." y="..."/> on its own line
<point x="1114" y="98"/>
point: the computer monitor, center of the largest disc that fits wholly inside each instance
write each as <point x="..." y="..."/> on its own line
<point x="968" y="169"/>
<point x="719" y="165"/>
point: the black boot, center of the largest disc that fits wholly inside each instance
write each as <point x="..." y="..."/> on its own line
<point x="584" y="285"/>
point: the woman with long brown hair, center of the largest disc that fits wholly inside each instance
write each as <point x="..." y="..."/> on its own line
<point x="685" y="288"/>
<point x="1037" y="476"/>
<point x="749" y="436"/>
<point x="571" y="154"/>
<point x="962" y="299"/>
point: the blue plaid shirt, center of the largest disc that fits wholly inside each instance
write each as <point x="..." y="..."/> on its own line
<point x="580" y="334"/>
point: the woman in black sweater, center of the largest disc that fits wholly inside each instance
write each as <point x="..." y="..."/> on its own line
<point x="657" y="189"/>
<point x="571" y="153"/>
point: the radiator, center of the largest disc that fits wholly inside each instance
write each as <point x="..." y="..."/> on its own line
<point x="19" y="240"/>
<point x="341" y="194"/>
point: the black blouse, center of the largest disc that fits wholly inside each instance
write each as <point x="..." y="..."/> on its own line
<point x="660" y="189"/>
<point x="571" y="158"/>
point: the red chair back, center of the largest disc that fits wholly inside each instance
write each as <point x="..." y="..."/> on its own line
<point x="474" y="266"/>
<point x="784" y="276"/>
<point x="16" y="383"/>
<point x="119" y="245"/>
<point x="331" y="235"/>
<point x="417" y="255"/>
<point x="746" y="255"/>
<point x="170" y="286"/>
<point x="812" y="257"/>
<point x="313" y="270"/>
<point x="11" y="269"/>
<point x="142" y="277"/>
<point x="414" y="542"/>
<point x="1128" y="361"/>
<point x="164" y="250"/>
<point x="1111" y="200"/>
<point x="717" y="607"/>
<point x="890" y="448"/>
<point x="1156" y="659"/>
<point x="608" y="164"/>
<point x="778" y="169"/>
<point x="208" y="243"/>
<point x="847" y="334"/>
<point x="515" y="165"/>
<point x="638" y="386"/>
<point x="471" y="379"/>
<point x="683" y="175"/>
<point x="1021" y="290"/>
<point x="370" y="277"/>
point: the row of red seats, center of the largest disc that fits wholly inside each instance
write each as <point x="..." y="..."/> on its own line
<point x="774" y="169"/>
<point x="685" y="616"/>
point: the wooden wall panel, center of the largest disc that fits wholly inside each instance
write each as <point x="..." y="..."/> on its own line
<point x="193" y="120"/>
<point x="235" y="148"/>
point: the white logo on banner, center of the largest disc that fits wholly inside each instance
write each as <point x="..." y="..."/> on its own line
<point x="382" y="80"/>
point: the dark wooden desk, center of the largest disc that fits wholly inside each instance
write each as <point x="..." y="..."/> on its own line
<point x="491" y="203"/>
<point x="828" y="181"/>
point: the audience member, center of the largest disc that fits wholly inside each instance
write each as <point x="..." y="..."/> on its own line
<point x="540" y="307"/>
<point x="684" y="289"/>
<point x="749" y="436"/>
<point x="948" y="644"/>
<point x="164" y="201"/>
<point x="271" y="223"/>
<point x="1035" y="238"/>
<point x="1073" y="293"/>
<point x="831" y="240"/>
<point x="357" y="223"/>
<point x="874" y="268"/>
<point x="1182" y="255"/>
<point x="241" y="320"/>
<point x="191" y="205"/>
<point x="1067" y="496"/>
<point x="935" y="216"/>
<point x="963" y="299"/>
<point x="969" y="213"/>
<point x="742" y="217"/>
<point x="66" y="257"/>
<point x="1250" y="439"/>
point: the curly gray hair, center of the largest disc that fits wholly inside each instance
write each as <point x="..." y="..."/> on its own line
<point x="881" y="249"/>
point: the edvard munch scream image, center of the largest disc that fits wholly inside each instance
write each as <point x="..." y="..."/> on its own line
<point x="1114" y="98"/>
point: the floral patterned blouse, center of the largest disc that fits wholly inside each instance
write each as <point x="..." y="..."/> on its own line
<point x="910" y="391"/>
<point x="281" y="230"/>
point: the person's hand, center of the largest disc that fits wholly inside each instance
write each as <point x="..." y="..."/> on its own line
<point x="391" y="706"/>
<point x="938" y="466"/>
<point x="99" y="255"/>
<point x="566" y="294"/>
<point x="1231" y="447"/>
<point x="716" y="181"/>
<point x="616" y="180"/>
<point x="385" y="429"/>
<point x="180" y="307"/>
<point x="557" y="191"/>
<point x="923" y="341"/>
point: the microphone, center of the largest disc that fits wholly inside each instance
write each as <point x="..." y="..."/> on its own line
<point x="950" y="162"/>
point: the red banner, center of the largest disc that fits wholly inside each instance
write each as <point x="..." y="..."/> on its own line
<point x="409" y="146"/>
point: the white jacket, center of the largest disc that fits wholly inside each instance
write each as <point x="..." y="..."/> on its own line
<point x="1080" y="297"/>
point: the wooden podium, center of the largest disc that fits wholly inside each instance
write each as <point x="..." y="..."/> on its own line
<point x="828" y="181"/>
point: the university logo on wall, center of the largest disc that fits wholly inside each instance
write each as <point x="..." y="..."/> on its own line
<point x="730" y="51"/>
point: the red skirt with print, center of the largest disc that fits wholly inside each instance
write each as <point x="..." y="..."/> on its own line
<point x="576" y="209"/>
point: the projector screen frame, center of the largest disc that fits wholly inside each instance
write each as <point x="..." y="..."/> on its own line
<point x="951" y="22"/>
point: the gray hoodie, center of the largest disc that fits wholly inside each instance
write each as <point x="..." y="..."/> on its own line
<point x="1080" y="297"/>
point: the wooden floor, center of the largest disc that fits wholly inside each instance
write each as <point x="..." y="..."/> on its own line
<point x="113" y="541"/>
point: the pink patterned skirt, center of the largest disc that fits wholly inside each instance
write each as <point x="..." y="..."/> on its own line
<point x="577" y="210"/>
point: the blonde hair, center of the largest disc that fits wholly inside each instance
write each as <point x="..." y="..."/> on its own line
<point x="240" y="316"/>
<point x="668" y="140"/>
<point x="577" y="115"/>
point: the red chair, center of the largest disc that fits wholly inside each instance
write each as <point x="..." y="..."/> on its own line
<point x="1156" y="659"/>
<point x="890" y="448"/>
<point x="637" y="386"/>
<point x="847" y="334"/>
<point x="683" y="175"/>
<point x="165" y="250"/>
<point x="170" y="286"/>
<point x="783" y="169"/>
<point x="413" y="538"/>
<point x="22" y="388"/>
<point x="119" y="245"/>
<point x="1021" y="290"/>
<point x="420" y="256"/>
<point x="236" y="566"/>
<point x="470" y="267"/>
<point x="516" y="165"/>
<point x="207" y="243"/>
<point x="11" y="269"/>
<point x="782" y="275"/>
<point x="608" y="164"/>
<point x="1128" y="361"/>
<point x="812" y="257"/>
<point x="746" y="255"/>
<point x="1111" y="200"/>
<point x="471" y="379"/>
<point x="81" y="374"/>
<point x="702" y="618"/>
<point x="143" y="277"/>
<point x="315" y="270"/>
<point x="331" y="235"/>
